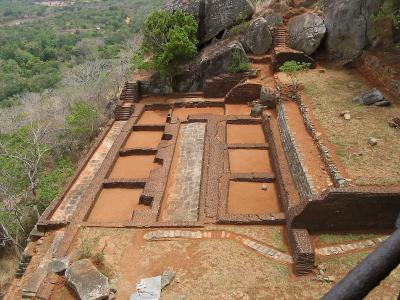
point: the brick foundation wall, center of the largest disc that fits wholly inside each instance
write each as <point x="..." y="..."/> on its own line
<point x="303" y="181"/>
<point x="302" y="251"/>
<point x="243" y="93"/>
<point x="358" y="208"/>
<point x="219" y="86"/>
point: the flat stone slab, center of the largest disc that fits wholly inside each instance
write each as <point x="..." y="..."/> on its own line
<point x="41" y="271"/>
<point x="89" y="284"/>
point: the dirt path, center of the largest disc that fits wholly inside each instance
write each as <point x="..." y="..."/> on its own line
<point x="312" y="158"/>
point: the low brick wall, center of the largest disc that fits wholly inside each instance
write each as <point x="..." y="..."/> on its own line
<point x="283" y="54"/>
<point x="330" y="165"/>
<point x="302" y="251"/>
<point x="357" y="208"/>
<point x="219" y="86"/>
<point x="243" y="93"/>
<point x="303" y="181"/>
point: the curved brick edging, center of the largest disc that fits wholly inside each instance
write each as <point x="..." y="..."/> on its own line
<point x="261" y="248"/>
<point x="345" y="248"/>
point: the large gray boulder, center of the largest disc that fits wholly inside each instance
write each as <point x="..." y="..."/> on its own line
<point x="273" y="19"/>
<point x="216" y="59"/>
<point x="306" y="32"/>
<point x="258" y="38"/>
<point x="370" y="97"/>
<point x="88" y="283"/>
<point x="214" y="16"/>
<point x="346" y="24"/>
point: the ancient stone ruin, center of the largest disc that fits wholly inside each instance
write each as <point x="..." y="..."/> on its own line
<point x="220" y="176"/>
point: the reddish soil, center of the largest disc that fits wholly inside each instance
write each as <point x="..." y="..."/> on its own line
<point x="249" y="198"/>
<point x="265" y="76"/>
<point x="143" y="139"/>
<point x="249" y="161"/>
<point x="133" y="167"/>
<point x="116" y="205"/>
<point x="153" y="117"/>
<point x="245" y="134"/>
<point x="182" y="113"/>
<point x="237" y="110"/>
<point x="324" y="137"/>
<point x="312" y="159"/>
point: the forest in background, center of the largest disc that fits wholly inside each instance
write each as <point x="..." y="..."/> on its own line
<point x="61" y="70"/>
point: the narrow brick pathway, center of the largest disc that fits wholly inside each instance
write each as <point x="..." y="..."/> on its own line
<point x="260" y="248"/>
<point x="71" y="200"/>
<point x="344" y="248"/>
<point x="183" y="198"/>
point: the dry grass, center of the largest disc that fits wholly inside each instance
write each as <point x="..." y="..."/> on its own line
<point x="332" y="239"/>
<point x="8" y="265"/>
<point x="329" y="93"/>
<point x="216" y="269"/>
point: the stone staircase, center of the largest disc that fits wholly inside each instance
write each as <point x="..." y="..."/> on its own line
<point x="124" y="111"/>
<point x="281" y="36"/>
<point x="130" y="92"/>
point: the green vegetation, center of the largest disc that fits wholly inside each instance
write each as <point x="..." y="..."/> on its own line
<point x="33" y="55"/>
<point x="60" y="70"/>
<point x="82" y="122"/>
<point x="238" y="29"/>
<point x="169" y="39"/>
<point x="390" y="8"/>
<point x="292" y="69"/>
<point x="239" y="63"/>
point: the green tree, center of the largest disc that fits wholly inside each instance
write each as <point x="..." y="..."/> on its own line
<point x="170" y="39"/>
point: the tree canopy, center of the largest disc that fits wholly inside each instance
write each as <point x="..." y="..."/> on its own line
<point x="169" y="39"/>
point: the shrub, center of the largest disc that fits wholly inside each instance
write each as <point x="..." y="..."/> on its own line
<point x="292" y="68"/>
<point x="239" y="64"/>
<point x="169" y="39"/>
<point x="389" y="9"/>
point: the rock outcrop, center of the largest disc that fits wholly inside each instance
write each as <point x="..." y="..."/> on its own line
<point x="370" y="97"/>
<point x="306" y="32"/>
<point x="273" y="19"/>
<point x="89" y="284"/>
<point x="214" y="16"/>
<point x="214" y="60"/>
<point x="346" y="24"/>
<point x="258" y="38"/>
